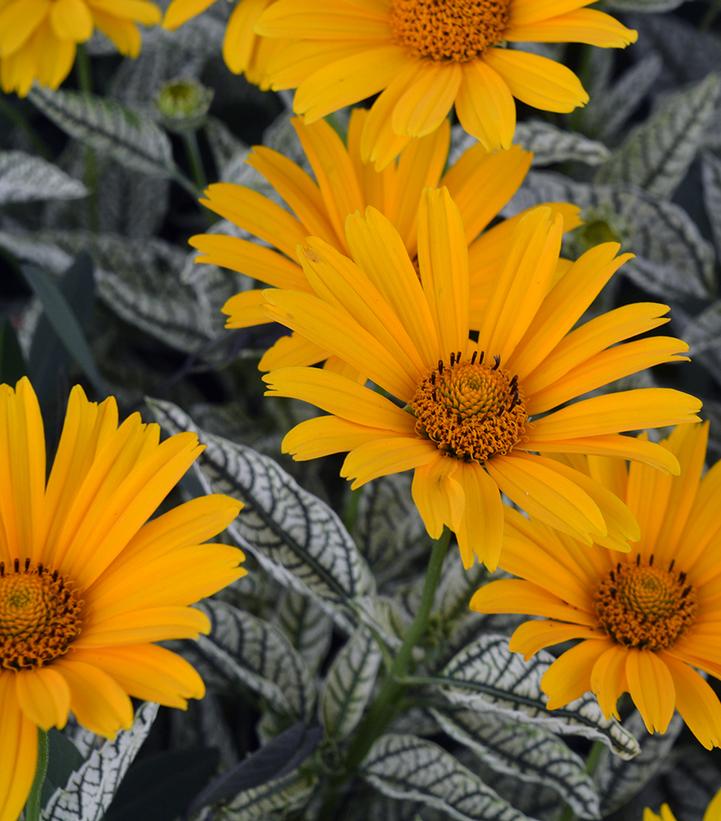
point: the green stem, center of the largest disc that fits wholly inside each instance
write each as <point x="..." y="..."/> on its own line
<point x="711" y="15"/>
<point x="83" y="72"/>
<point x="90" y="177"/>
<point x="34" y="805"/>
<point x="350" y="513"/>
<point x="194" y="159"/>
<point x="384" y="707"/>
<point x="14" y="113"/>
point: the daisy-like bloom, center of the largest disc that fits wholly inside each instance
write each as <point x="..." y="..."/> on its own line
<point x="480" y="183"/>
<point x="713" y="812"/>
<point x="475" y="416"/>
<point x="38" y="38"/>
<point x="243" y="51"/>
<point x="648" y="619"/>
<point x="87" y="583"/>
<point x="424" y="56"/>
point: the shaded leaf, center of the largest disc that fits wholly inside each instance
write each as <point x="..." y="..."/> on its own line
<point x="412" y="769"/>
<point x="306" y="625"/>
<point x="711" y="175"/>
<point x="24" y="178"/>
<point x="279" y="795"/>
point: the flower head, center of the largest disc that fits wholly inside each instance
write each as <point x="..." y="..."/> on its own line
<point x="475" y="414"/>
<point x="80" y="601"/>
<point x="480" y="183"/>
<point x="647" y="620"/>
<point x="38" y="38"/>
<point x="424" y="56"/>
<point x="243" y="51"/>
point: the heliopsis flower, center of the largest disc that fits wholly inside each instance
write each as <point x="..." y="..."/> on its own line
<point x="87" y="583"/>
<point x="475" y="416"/>
<point x="480" y="183"/>
<point x="38" y="38"/>
<point x="243" y="51"/>
<point x="424" y="56"/>
<point x="648" y="620"/>
<point x="713" y="811"/>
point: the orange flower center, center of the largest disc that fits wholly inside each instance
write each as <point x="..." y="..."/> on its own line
<point x="40" y="615"/>
<point x="643" y="606"/>
<point x="470" y="410"/>
<point x="455" y="30"/>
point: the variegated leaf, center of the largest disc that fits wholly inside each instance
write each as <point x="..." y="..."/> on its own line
<point x="649" y="6"/>
<point x="246" y="650"/>
<point x="527" y="751"/>
<point x="487" y="675"/>
<point x="412" y="769"/>
<point x="703" y="332"/>
<point x="279" y="796"/>
<point x="90" y="790"/>
<point x="109" y="127"/>
<point x="711" y="174"/>
<point x="619" y="781"/>
<point x="306" y="626"/>
<point x="297" y="538"/>
<point x="24" y="178"/>
<point x="551" y="144"/>
<point x="657" y="154"/>
<point x="349" y="684"/>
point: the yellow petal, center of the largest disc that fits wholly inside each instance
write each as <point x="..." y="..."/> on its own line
<point x="485" y="106"/>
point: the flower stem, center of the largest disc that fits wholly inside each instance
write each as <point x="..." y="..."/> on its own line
<point x="384" y="708"/>
<point x="34" y="805"/>
<point x="192" y="151"/>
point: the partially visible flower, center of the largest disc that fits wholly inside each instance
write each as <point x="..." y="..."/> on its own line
<point x="38" y="38"/>
<point x="480" y="183"/>
<point x="473" y="415"/>
<point x="87" y="583"/>
<point x="713" y="811"/>
<point x="647" y="620"/>
<point x="425" y="56"/>
<point x="243" y="51"/>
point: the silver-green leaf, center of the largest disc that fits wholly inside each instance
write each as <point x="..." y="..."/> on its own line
<point x="527" y="751"/>
<point x="551" y="144"/>
<point x="657" y="154"/>
<point x="278" y="796"/>
<point x="412" y="769"/>
<point x="486" y="675"/>
<point x="349" y="684"/>
<point x="306" y="626"/>
<point x="24" y="178"/>
<point x="90" y="790"/>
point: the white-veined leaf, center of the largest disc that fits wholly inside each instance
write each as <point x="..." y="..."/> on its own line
<point x="109" y="127"/>
<point x="648" y="6"/>
<point x="247" y="650"/>
<point x="296" y="537"/>
<point x="526" y="751"/>
<point x="551" y="144"/>
<point x="412" y="769"/>
<point x="657" y="154"/>
<point x="619" y="781"/>
<point x="24" y="178"/>
<point x="307" y="626"/>
<point x="711" y="175"/>
<point x="89" y="790"/>
<point x="487" y="675"/>
<point x="349" y="684"/>
<point x="703" y="332"/>
<point x="278" y="796"/>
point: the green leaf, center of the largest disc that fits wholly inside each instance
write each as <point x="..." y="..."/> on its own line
<point x="528" y="752"/>
<point x="349" y="684"/>
<point x="657" y="154"/>
<point x="486" y="675"/>
<point x="296" y="537"/>
<point x="63" y="320"/>
<point x="245" y="650"/>
<point x="24" y="178"/>
<point x="281" y="795"/>
<point x="131" y="138"/>
<point x="411" y="769"/>
<point x="90" y="789"/>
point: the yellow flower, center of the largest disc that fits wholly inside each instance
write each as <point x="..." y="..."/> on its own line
<point x="713" y="811"/>
<point x="38" y="38"/>
<point x="646" y="619"/>
<point x="474" y="417"/>
<point x="87" y="583"/>
<point x="480" y="183"/>
<point x="424" y="56"/>
<point x="243" y="51"/>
